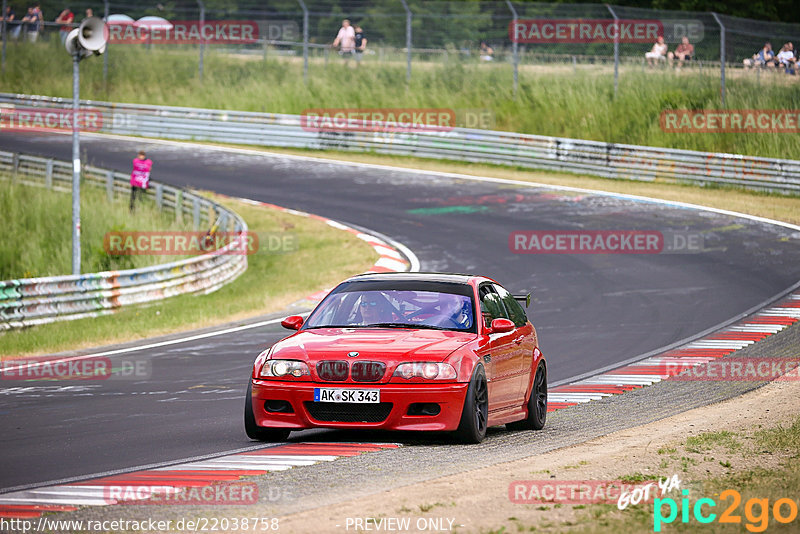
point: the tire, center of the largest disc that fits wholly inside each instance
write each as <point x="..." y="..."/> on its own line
<point x="475" y="415"/>
<point x="256" y="432"/>
<point x="537" y="404"/>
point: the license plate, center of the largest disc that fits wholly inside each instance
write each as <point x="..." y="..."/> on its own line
<point x="347" y="395"/>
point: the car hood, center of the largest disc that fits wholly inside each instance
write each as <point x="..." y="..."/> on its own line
<point x="374" y="343"/>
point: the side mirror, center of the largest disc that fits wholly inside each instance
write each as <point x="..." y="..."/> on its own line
<point x="294" y="322"/>
<point x="501" y="326"/>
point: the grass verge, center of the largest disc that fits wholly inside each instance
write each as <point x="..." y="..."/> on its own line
<point x="323" y="257"/>
<point x="579" y="104"/>
<point x="48" y="250"/>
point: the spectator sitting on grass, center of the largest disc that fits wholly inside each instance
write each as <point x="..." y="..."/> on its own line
<point x="763" y="58"/>
<point x="487" y="52"/>
<point x="658" y="52"/>
<point x="683" y="52"/>
<point x="786" y="58"/>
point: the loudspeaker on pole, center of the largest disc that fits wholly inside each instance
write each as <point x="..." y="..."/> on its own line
<point x="87" y="39"/>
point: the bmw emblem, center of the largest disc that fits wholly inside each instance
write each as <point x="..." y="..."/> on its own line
<point x="352" y="354"/>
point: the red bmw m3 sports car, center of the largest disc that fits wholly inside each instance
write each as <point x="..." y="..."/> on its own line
<point x="403" y="351"/>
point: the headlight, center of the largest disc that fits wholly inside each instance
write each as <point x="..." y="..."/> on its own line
<point x="428" y="370"/>
<point x="279" y="368"/>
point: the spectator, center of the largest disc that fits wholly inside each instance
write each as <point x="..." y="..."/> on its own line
<point x="66" y="17"/>
<point x="89" y="13"/>
<point x="763" y="58"/>
<point x="487" y="52"/>
<point x="786" y="58"/>
<point x="140" y="177"/>
<point x="360" y="42"/>
<point x="33" y="22"/>
<point x="345" y="39"/>
<point x="683" y="52"/>
<point x="12" y="25"/>
<point x="658" y="52"/>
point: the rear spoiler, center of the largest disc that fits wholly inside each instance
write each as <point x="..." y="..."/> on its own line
<point x="524" y="298"/>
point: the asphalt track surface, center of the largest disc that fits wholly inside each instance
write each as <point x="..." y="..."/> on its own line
<point x="591" y="311"/>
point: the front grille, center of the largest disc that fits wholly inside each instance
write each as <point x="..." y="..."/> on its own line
<point x="333" y="370"/>
<point x="367" y="371"/>
<point x="341" y="412"/>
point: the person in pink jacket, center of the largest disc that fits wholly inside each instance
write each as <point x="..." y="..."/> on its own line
<point x="140" y="177"/>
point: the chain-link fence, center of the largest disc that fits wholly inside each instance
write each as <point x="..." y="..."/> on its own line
<point x="411" y="33"/>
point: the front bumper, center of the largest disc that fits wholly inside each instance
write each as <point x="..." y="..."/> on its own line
<point x="449" y="397"/>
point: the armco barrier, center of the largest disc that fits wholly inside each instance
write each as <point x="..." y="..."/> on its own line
<point x="484" y="146"/>
<point x="32" y="301"/>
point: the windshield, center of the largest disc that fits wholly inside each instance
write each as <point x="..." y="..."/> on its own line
<point x="356" y="307"/>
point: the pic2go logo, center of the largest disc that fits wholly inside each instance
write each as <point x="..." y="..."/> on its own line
<point x="756" y="511"/>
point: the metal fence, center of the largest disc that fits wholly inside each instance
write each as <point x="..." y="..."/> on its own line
<point x="595" y="158"/>
<point x="413" y="32"/>
<point x="31" y="301"/>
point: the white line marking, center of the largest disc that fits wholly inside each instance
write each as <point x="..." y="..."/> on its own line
<point x="148" y="346"/>
<point x="244" y="466"/>
<point x="758" y="328"/>
<point x="253" y="460"/>
<point x="719" y="344"/>
<point x="390" y="263"/>
<point x="58" y="500"/>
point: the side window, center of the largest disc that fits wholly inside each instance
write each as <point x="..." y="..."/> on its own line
<point x="491" y="306"/>
<point x="515" y="311"/>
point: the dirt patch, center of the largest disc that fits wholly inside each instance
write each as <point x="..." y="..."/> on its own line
<point x="478" y="501"/>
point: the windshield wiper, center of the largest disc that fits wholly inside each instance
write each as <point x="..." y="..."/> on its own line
<point x="405" y="325"/>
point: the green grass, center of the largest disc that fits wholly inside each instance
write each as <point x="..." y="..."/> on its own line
<point x="549" y="101"/>
<point x="38" y="231"/>
<point x="272" y="281"/>
<point x="709" y="440"/>
<point x="636" y="477"/>
<point x="781" y="439"/>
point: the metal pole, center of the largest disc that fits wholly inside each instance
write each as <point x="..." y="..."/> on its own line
<point x="408" y="40"/>
<point x="721" y="57"/>
<point x="515" y="45"/>
<point x="202" y="42"/>
<point x="76" y="169"/>
<point x="616" y="49"/>
<point x="5" y="37"/>
<point x="105" y="54"/>
<point x="305" y="40"/>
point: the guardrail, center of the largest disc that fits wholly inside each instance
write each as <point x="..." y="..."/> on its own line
<point x="32" y="301"/>
<point x="608" y="160"/>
